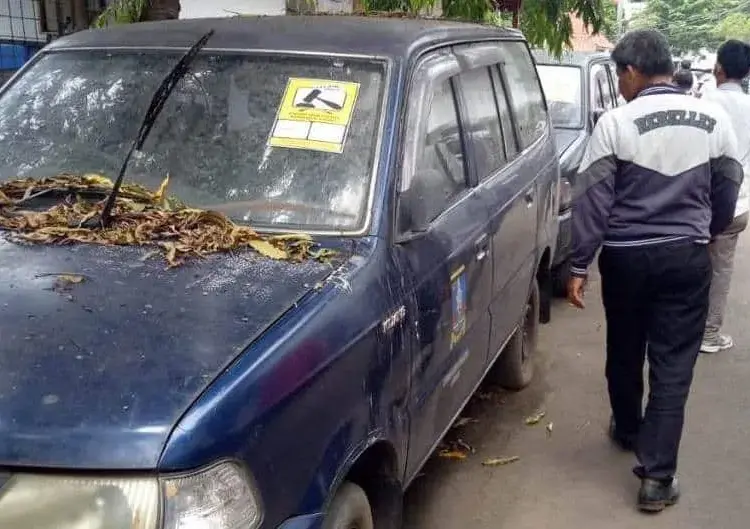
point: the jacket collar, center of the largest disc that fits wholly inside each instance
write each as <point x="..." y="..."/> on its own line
<point x="660" y="88"/>
<point x="730" y="87"/>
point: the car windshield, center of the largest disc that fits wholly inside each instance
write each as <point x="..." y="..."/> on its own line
<point x="562" y="88"/>
<point x="279" y="142"/>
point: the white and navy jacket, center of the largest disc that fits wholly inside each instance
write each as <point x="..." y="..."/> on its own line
<point x="662" y="168"/>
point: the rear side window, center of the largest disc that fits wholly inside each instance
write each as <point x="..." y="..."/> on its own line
<point x="506" y="120"/>
<point x="441" y="171"/>
<point x="482" y="121"/>
<point x="525" y="92"/>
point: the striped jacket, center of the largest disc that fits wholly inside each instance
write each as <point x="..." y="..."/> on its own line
<point x="663" y="167"/>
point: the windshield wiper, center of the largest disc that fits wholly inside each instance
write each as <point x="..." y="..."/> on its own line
<point x="157" y="104"/>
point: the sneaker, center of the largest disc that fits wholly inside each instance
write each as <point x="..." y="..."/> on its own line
<point x="721" y="342"/>
<point x="655" y="496"/>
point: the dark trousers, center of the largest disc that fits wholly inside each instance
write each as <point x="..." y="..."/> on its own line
<point x="656" y="303"/>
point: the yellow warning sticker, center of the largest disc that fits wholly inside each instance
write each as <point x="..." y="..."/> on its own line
<point x="315" y="114"/>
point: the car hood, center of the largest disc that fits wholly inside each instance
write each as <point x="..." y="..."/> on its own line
<point x="95" y="374"/>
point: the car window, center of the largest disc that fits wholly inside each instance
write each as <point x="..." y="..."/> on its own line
<point x="506" y="120"/>
<point x="79" y="112"/>
<point x="563" y="89"/>
<point x="600" y="91"/>
<point x="482" y="121"/>
<point x="614" y="85"/>
<point x="441" y="170"/>
<point x="526" y="96"/>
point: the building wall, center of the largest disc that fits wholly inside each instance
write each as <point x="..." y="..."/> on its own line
<point x="228" y="8"/>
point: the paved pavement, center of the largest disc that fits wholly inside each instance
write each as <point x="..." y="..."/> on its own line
<point x="572" y="477"/>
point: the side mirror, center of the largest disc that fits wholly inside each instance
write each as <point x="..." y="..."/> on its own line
<point x="416" y="205"/>
<point x="596" y="114"/>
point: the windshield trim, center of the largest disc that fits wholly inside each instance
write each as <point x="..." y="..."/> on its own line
<point x="365" y="227"/>
<point x="581" y="123"/>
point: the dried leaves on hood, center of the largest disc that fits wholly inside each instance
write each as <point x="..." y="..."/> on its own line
<point x="140" y="217"/>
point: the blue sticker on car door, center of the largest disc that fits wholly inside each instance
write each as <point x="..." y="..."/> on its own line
<point x="458" y="304"/>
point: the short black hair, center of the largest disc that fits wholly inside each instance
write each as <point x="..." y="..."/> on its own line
<point x="686" y="64"/>
<point x="646" y="50"/>
<point x="734" y="58"/>
<point x="684" y="79"/>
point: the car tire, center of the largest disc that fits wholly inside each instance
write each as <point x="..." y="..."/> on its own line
<point x="514" y="369"/>
<point x="349" y="509"/>
<point x="560" y="277"/>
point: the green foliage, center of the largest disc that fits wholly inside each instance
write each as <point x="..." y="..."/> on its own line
<point x="691" y="25"/>
<point x="609" y="24"/>
<point x="122" y="12"/>
<point x="734" y="26"/>
<point x="546" y="23"/>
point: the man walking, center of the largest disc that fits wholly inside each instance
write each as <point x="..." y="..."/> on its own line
<point x="659" y="178"/>
<point x="684" y="81"/>
<point x="732" y="66"/>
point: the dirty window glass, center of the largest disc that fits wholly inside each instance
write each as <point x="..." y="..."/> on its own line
<point x="441" y="173"/>
<point x="525" y="92"/>
<point x="564" y="92"/>
<point x="482" y="121"/>
<point x="602" y="95"/>
<point x="79" y="112"/>
<point x="506" y="121"/>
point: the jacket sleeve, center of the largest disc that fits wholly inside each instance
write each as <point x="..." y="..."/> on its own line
<point x="593" y="195"/>
<point x="726" y="176"/>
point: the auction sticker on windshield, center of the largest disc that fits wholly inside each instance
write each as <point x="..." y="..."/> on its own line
<point x="315" y="114"/>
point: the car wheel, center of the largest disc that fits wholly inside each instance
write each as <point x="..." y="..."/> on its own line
<point x="560" y="277"/>
<point x="515" y="367"/>
<point x="350" y="509"/>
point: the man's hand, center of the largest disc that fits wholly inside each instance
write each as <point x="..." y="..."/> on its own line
<point x="576" y="287"/>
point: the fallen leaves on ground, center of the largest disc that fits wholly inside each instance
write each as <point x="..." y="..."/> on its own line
<point x="140" y="218"/>
<point x="501" y="461"/>
<point x="536" y="418"/>
<point x="452" y="454"/>
<point x="464" y="421"/>
<point x="455" y="449"/>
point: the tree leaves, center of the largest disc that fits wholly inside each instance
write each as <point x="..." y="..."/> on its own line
<point x="691" y="25"/>
<point x="545" y="23"/>
<point x="141" y="218"/>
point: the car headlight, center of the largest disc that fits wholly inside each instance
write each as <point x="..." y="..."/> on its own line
<point x="220" y="497"/>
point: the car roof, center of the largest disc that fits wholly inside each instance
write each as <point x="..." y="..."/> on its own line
<point x="569" y="58"/>
<point x="327" y="34"/>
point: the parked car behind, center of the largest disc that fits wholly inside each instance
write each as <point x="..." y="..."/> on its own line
<point x="578" y="87"/>
<point x="239" y="391"/>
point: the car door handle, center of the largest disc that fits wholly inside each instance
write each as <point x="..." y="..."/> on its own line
<point x="529" y="198"/>
<point x="482" y="247"/>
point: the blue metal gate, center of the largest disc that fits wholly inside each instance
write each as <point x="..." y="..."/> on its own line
<point x="21" y="35"/>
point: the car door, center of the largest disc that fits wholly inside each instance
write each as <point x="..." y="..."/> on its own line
<point x="444" y="247"/>
<point x="507" y="182"/>
<point x="613" y="86"/>
<point x="601" y="89"/>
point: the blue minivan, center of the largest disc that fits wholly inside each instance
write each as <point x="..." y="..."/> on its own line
<point x="238" y="391"/>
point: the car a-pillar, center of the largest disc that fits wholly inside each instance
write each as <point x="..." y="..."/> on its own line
<point x="371" y="494"/>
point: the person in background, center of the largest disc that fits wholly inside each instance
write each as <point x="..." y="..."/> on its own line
<point x="684" y="81"/>
<point x="658" y="180"/>
<point x="732" y="65"/>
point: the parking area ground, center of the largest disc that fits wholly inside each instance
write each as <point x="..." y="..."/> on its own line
<point x="568" y="475"/>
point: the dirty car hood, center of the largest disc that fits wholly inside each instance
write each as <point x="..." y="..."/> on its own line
<point x="96" y="374"/>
